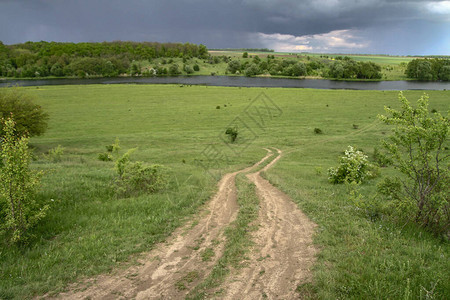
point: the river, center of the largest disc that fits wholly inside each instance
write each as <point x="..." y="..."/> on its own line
<point x="242" y="82"/>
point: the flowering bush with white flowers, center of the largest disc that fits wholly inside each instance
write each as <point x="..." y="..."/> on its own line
<point x="353" y="167"/>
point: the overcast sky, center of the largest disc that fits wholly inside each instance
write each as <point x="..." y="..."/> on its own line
<point x="333" y="26"/>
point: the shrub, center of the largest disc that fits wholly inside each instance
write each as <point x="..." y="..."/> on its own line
<point x="232" y="132"/>
<point x="173" y="70"/>
<point x="318" y="131"/>
<point x="18" y="186"/>
<point x="105" y="157"/>
<point x="111" y="150"/>
<point x="30" y="119"/>
<point x="234" y="66"/>
<point x="353" y="166"/>
<point x="252" y="70"/>
<point x="188" y="69"/>
<point x="417" y="150"/>
<point x="196" y="68"/>
<point x="55" y="154"/>
<point x="135" y="177"/>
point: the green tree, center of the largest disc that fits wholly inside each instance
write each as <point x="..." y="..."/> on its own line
<point x="368" y="70"/>
<point x="188" y="69"/>
<point x="18" y="185"/>
<point x="418" y="148"/>
<point x="298" y="69"/>
<point x="245" y="55"/>
<point x="337" y="70"/>
<point x="444" y="73"/>
<point x="30" y="118"/>
<point x="424" y="70"/>
<point x="252" y="70"/>
<point x="234" y="66"/>
<point x="202" y="51"/>
<point x="173" y="70"/>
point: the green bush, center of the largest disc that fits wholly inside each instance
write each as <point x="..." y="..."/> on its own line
<point x="55" y="154"/>
<point x="232" y="132"/>
<point x="174" y="70"/>
<point x="188" y="69"/>
<point x="18" y="186"/>
<point x="318" y="131"/>
<point x="353" y="166"/>
<point x="30" y="119"/>
<point x="105" y="157"/>
<point x="196" y="68"/>
<point x="136" y="177"/>
<point x="417" y="150"/>
<point x="252" y="70"/>
<point x="234" y="66"/>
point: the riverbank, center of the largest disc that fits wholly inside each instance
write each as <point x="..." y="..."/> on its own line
<point x="240" y="81"/>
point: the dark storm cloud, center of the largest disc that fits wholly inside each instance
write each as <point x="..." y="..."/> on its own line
<point x="360" y="25"/>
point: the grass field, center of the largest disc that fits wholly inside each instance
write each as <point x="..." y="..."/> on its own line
<point x="89" y="230"/>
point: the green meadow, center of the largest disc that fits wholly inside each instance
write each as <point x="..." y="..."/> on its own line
<point x="89" y="230"/>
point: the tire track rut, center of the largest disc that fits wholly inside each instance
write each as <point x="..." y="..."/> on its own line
<point x="283" y="253"/>
<point x="173" y="268"/>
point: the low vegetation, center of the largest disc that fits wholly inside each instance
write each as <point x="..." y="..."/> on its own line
<point x="29" y="117"/>
<point x="366" y="252"/>
<point x="418" y="148"/>
<point x="111" y="59"/>
<point x="353" y="167"/>
<point x="19" y="210"/>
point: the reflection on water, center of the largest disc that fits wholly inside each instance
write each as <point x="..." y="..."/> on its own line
<point x="243" y="82"/>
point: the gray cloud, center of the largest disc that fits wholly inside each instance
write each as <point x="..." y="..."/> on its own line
<point x="372" y="26"/>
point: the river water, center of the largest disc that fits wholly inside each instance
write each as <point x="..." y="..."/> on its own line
<point x="243" y="82"/>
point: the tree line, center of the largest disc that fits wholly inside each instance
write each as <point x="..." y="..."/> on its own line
<point x="42" y="59"/>
<point x="341" y="68"/>
<point x="429" y="69"/>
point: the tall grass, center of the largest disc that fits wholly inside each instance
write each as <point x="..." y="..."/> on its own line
<point x="89" y="230"/>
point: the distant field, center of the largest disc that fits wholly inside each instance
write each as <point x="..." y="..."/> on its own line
<point x="380" y="59"/>
<point x="89" y="230"/>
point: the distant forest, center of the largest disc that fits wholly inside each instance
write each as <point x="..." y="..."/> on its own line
<point x="244" y="49"/>
<point x="111" y="59"/>
<point x="42" y="59"/>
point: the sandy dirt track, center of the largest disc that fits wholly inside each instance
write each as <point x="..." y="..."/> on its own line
<point x="280" y="260"/>
<point x="284" y="252"/>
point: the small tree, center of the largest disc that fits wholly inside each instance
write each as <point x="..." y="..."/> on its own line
<point x="173" y="70"/>
<point x="418" y="148"/>
<point x="18" y="185"/>
<point x="234" y="66"/>
<point x="30" y="119"/>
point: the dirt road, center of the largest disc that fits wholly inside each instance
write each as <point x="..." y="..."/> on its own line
<point x="284" y="252"/>
<point x="280" y="260"/>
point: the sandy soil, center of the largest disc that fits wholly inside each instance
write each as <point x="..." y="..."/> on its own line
<point x="280" y="260"/>
<point x="284" y="252"/>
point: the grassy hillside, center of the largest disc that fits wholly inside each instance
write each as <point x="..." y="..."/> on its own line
<point x="89" y="230"/>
